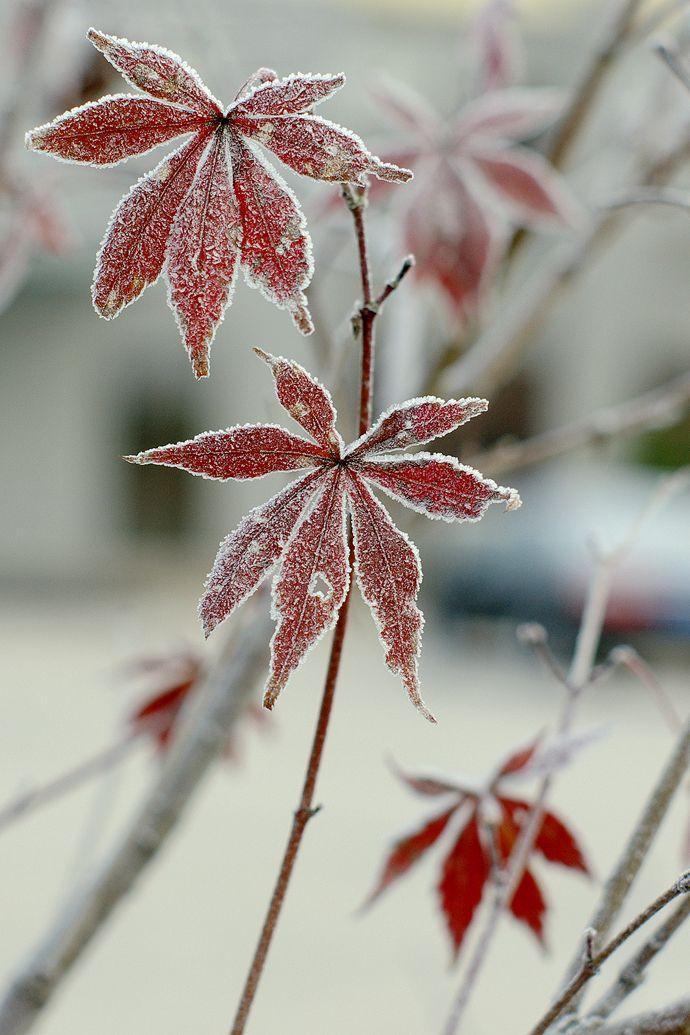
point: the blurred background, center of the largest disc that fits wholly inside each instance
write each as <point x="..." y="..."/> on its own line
<point x="101" y="562"/>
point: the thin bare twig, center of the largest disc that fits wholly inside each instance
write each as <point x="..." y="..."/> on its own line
<point x="203" y="731"/>
<point x="592" y="963"/>
<point x="654" y="409"/>
<point x="363" y="325"/>
<point x="625" y="871"/>
<point x="634" y="972"/>
<point x="670" y="54"/>
<point x="35" y="797"/>
<point x="587" y="92"/>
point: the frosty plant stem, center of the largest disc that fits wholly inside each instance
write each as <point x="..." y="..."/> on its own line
<point x="363" y="324"/>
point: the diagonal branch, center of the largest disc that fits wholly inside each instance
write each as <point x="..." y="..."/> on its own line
<point x="634" y="972"/>
<point x="654" y="409"/>
<point x="669" y="1020"/>
<point x="218" y="704"/>
<point x="592" y="963"/>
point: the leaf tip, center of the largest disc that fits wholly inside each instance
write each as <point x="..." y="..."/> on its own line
<point x="200" y="365"/>
<point x="511" y="497"/>
<point x="302" y="319"/>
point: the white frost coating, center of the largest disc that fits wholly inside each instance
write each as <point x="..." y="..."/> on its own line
<point x="320" y="586"/>
<point x="275" y="613"/>
<point x="33" y="134"/>
<point x="270" y="359"/>
<point x="163" y="52"/>
<point x="478" y="406"/>
<point x="141" y="458"/>
<point x="155" y="172"/>
<point x="417" y="701"/>
<point x="253" y="281"/>
<point x="233" y="281"/>
<point x="252" y="515"/>
<point x="510" y="496"/>
<point x="274" y="84"/>
<point x="375" y="166"/>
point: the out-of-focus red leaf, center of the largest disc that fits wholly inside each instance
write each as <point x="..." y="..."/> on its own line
<point x="517" y="761"/>
<point x="408" y="850"/>
<point x="499" y="45"/>
<point x="554" y="840"/>
<point x="527" y="183"/>
<point x="463" y="876"/>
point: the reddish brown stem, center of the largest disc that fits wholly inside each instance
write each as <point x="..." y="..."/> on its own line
<point x="305" y="810"/>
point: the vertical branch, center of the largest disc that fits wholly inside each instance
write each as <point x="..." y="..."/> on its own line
<point x="363" y="323"/>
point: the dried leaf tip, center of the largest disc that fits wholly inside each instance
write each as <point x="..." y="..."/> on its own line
<point x="511" y="497"/>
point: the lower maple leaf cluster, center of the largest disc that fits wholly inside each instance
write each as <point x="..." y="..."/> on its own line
<point x="480" y="829"/>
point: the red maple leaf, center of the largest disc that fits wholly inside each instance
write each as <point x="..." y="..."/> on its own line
<point x="473" y="182"/>
<point x="214" y="205"/>
<point x="471" y="819"/>
<point x="303" y="529"/>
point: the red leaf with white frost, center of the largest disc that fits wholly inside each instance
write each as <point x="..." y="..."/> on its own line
<point x="463" y="876"/>
<point x="527" y="185"/>
<point x="508" y="114"/>
<point x="437" y="486"/>
<point x="389" y="574"/>
<point x="157" y="72"/>
<point x="408" y="850"/>
<point x="249" y="553"/>
<point x="276" y="248"/>
<point x="109" y="131"/>
<point x="133" y="250"/>
<point x="188" y="215"/>
<point x="293" y="95"/>
<point x="249" y="451"/>
<point x="203" y="254"/>
<point x="311" y="586"/>
<point x="415" y="422"/>
<point x="314" y="147"/>
<point x="307" y="401"/>
<point x="302" y="530"/>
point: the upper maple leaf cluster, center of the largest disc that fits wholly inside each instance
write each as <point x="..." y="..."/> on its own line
<point x="304" y="527"/>
<point x="471" y="819"/>
<point x="215" y="204"/>
<point x="473" y="182"/>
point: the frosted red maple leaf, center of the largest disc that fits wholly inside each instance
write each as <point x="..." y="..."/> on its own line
<point x="303" y="529"/>
<point x="478" y="826"/>
<point x="215" y="205"/>
<point x="473" y="182"/>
